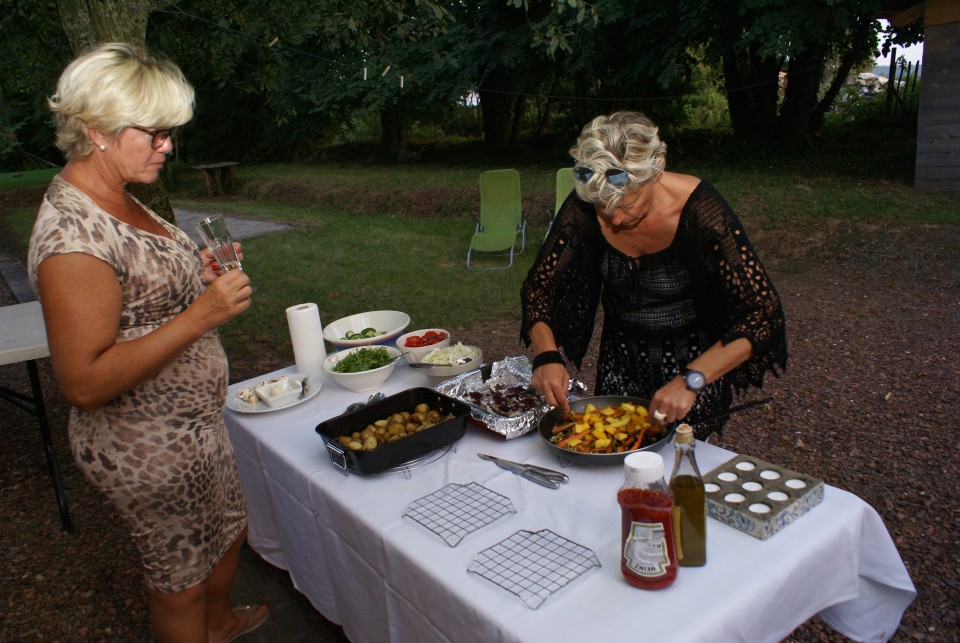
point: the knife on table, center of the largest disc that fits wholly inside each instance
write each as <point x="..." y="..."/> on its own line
<point x="540" y="475"/>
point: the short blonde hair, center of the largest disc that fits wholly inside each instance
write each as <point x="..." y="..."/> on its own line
<point x="623" y="140"/>
<point x="113" y="86"/>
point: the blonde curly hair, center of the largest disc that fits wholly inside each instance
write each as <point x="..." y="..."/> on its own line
<point x="620" y="141"/>
<point x="113" y="86"/>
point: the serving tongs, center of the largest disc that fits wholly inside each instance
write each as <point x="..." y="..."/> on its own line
<point x="540" y="475"/>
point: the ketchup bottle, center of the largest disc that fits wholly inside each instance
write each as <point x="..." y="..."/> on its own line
<point x="648" y="555"/>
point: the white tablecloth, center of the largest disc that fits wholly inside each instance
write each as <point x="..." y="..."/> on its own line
<point x="384" y="577"/>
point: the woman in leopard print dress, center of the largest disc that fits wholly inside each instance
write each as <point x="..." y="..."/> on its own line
<point x="133" y="338"/>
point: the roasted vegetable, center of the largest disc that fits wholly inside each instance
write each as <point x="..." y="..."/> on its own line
<point x="608" y="429"/>
<point x="395" y="427"/>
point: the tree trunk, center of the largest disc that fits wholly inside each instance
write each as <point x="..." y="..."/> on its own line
<point x="77" y="24"/>
<point x="393" y="135"/>
<point x="752" y="86"/>
<point x="88" y="22"/>
<point x="519" y="111"/>
<point x="860" y="48"/>
<point x="495" y="108"/>
<point x="497" y="102"/>
<point x="802" y="93"/>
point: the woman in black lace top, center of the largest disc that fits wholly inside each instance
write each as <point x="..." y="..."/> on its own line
<point x="690" y="314"/>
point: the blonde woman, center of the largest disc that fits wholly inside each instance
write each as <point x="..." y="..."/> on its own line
<point x="690" y="314"/>
<point x="132" y="330"/>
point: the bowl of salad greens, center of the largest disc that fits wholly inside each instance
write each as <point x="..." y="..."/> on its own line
<point x="374" y="327"/>
<point x="362" y="368"/>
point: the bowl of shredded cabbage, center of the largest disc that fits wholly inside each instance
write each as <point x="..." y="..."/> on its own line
<point x="445" y="360"/>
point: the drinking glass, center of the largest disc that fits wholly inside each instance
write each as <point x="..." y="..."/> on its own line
<point x="214" y="232"/>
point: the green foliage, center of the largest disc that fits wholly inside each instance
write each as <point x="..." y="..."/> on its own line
<point x="283" y="84"/>
<point x="858" y="110"/>
<point x="283" y="80"/>
<point x="706" y="110"/>
<point x="33" y="49"/>
<point x="706" y="107"/>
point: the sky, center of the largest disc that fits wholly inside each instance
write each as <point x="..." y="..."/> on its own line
<point x="913" y="54"/>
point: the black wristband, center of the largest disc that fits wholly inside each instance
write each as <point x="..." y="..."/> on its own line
<point x="547" y="357"/>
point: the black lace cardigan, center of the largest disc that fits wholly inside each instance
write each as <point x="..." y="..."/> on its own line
<point x="733" y="295"/>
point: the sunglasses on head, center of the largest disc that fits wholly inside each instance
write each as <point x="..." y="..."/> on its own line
<point x="160" y="136"/>
<point x="615" y="177"/>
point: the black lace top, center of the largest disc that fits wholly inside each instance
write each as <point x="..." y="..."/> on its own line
<point x="660" y="310"/>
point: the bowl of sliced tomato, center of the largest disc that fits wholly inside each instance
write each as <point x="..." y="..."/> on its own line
<point x="418" y="344"/>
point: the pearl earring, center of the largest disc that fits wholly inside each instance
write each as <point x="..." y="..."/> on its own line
<point x="102" y="147"/>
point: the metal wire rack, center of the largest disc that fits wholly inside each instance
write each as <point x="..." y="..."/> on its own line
<point x="456" y="510"/>
<point x="533" y="565"/>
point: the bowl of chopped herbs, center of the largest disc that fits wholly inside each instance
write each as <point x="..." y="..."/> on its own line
<point x="363" y="368"/>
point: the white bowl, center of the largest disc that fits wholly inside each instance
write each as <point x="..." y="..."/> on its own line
<point x="440" y="373"/>
<point x="392" y="323"/>
<point x="364" y="380"/>
<point x="413" y="354"/>
<point x="280" y="391"/>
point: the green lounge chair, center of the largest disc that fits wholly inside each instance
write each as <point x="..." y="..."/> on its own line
<point x="564" y="188"/>
<point x="501" y="218"/>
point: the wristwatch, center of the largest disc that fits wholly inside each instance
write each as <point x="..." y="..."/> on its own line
<point x="694" y="380"/>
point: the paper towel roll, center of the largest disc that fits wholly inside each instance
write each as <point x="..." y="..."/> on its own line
<point x="306" y="335"/>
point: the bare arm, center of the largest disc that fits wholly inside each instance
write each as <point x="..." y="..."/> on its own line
<point x="82" y="306"/>
<point x="675" y="400"/>
<point x="551" y="380"/>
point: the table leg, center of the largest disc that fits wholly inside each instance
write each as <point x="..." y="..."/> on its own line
<point x="41" y="412"/>
<point x="206" y="183"/>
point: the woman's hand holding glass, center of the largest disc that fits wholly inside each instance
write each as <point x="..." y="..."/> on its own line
<point x="222" y="254"/>
<point x="211" y="268"/>
<point x="225" y="297"/>
<point x="216" y="235"/>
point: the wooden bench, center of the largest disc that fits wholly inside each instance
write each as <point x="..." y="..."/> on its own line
<point x="219" y="178"/>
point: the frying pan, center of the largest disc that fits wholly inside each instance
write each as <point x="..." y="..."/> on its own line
<point x="555" y="416"/>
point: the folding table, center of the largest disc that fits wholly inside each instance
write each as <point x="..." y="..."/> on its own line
<point x="23" y="338"/>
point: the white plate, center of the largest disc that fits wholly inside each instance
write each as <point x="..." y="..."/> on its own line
<point x="236" y="404"/>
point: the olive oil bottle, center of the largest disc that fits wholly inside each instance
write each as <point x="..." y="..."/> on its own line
<point x="690" y="504"/>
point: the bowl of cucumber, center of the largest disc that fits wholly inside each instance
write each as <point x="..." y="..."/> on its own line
<point x="375" y="327"/>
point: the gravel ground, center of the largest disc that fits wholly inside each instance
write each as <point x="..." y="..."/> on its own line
<point x="869" y="404"/>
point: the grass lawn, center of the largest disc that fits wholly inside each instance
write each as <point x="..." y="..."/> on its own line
<point x="26" y="179"/>
<point x="370" y="237"/>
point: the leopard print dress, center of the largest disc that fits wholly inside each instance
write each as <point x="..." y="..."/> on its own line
<point x="160" y="451"/>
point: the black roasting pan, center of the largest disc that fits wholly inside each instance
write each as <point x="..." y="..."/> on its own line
<point x="394" y="454"/>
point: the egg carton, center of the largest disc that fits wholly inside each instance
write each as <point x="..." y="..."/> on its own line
<point x="758" y="497"/>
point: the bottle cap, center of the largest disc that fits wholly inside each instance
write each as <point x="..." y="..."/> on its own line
<point x="644" y="466"/>
<point x="684" y="434"/>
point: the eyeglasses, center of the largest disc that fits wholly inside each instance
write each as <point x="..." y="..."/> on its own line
<point x="614" y="176"/>
<point x="160" y="136"/>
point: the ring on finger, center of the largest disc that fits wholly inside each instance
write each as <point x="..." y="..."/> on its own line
<point x="659" y="415"/>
